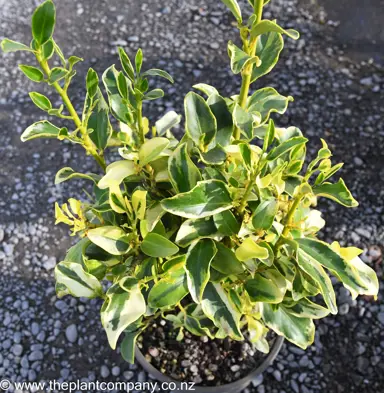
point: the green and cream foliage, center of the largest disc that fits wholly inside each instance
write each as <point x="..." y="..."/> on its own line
<point x="215" y="232"/>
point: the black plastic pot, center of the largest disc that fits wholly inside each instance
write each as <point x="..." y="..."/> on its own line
<point x="234" y="387"/>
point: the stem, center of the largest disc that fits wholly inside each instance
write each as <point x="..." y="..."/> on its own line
<point x="251" y="184"/>
<point x="247" y="73"/>
<point x="288" y="220"/>
<point x="248" y="191"/>
<point x="140" y="122"/>
<point x="88" y="144"/>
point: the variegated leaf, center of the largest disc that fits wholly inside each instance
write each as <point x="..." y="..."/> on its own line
<point x="121" y="308"/>
<point x="71" y="279"/>
<point x="198" y="263"/>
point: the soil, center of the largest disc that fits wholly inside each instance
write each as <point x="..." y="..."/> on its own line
<point x="200" y="360"/>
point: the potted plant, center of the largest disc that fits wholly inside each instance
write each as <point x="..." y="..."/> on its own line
<point x="209" y="241"/>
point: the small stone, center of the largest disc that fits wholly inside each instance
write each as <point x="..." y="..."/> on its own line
<point x="360" y="348"/>
<point x="116" y="371"/>
<point x="17" y="349"/>
<point x="119" y="43"/>
<point x="261" y="389"/>
<point x="366" y="81"/>
<point x="64" y="373"/>
<point x="344" y="309"/>
<point x="362" y="364"/>
<point x="380" y="316"/>
<point x="104" y="371"/>
<point x="194" y="369"/>
<point x="235" y="368"/>
<point x="35" y="355"/>
<point x="24" y="362"/>
<point x="185" y="363"/>
<point x="277" y="375"/>
<point x="295" y="386"/>
<point x="213" y="367"/>
<point x="35" y="328"/>
<point x="128" y="375"/>
<point x="50" y="263"/>
<point x="133" y="38"/>
<point x="304" y="361"/>
<point x="154" y="352"/>
<point x="71" y="333"/>
<point x="214" y="45"/>
<point x="32" y="375"/>
<point x="257" y="381"/>
<point x="358" y="161"/>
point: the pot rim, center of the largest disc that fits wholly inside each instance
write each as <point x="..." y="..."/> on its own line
<point x="235" y="386"/>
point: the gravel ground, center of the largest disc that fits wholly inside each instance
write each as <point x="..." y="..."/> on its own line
<point x="338" y="95"/>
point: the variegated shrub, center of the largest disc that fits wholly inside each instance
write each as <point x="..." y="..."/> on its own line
<point x="215" y="232"/>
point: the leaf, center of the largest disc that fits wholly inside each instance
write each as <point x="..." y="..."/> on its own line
<point x="41" y="101"/>
<point x="14" y="46"/>
<point x="157" y="72"/>
<point x="120" y="309"/>
<point x="246" y="154"/>
<point x="226" y="223"/>
<point x="169" y="291"/>
<point x="223" y="117"/>
<point x="353" y="276"/>
<point x="152" y="149"/>
<point x="139" y="61"/>
<point x="218" y="308"/>
<point x="264" y="215"/>
<point x="41" y="129"/>
<point x="234" y="7"/>
<point x="240" y="59"/>
<point x="195" y="229"/>
<point x="128" y="346"/>
<point x="314" y="269"/>
<point x="33" y="73"/>
<point x="68" y="173"/>
<point x="154" y="95"/>
<point x="126" y="64"/>
<point x="157" y="246"/>
<point x="193" y="325"/>
<point x="92" y="82"/>
<point x="139" y="203"/>
<point x="299" y="331"/>
<point x="119" y="107"/>
<point x="43" y="22"/>
<point x="268" y="100"/>
<point x="183" y="173"/>
<point x="99" y="123"/>
<point x="71" y="279"/>
<point x="268" y="26"/>
<point x="269" y="47"/>
<point x="198" y="263"/>
<point x="285" y="147"/>
<point x="225" y="261"/>
<point x="337" y="192"/>
<point x="244" y="121"/>
<point x="74" y="60"/>
<point x="201" y="124"/>
<point x="153" y="215"/>
<point x="206" y="89"/>
<point x="215" y="156"/>
<point x="307" y="309"/>
<point x="206" y="199"/>
<point x="57" y="74"/>
<point x="111" y="239"/>
<point x="116" y="173"/>
<point x="168" y="121"/>
<point x="266" y="290"/>
<point x="249" y="249"/>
